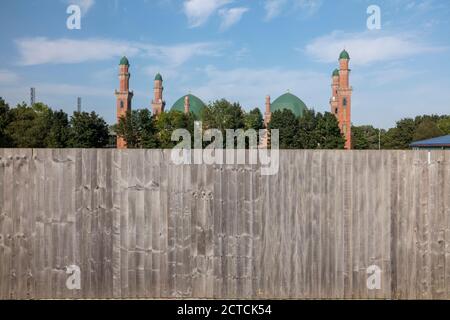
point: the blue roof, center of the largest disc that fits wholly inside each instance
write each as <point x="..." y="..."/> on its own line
<point x="443" y="141"/>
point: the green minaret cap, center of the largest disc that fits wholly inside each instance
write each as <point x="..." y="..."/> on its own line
<point x="344" y="55"/>
<point x="124" y="61"/>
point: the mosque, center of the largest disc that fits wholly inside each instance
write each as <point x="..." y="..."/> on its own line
<point x="340" y="101"/>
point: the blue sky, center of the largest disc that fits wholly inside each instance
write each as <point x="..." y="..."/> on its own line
<point x="241" y="50"/>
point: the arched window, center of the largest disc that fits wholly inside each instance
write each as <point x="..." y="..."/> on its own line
<point x="121" y="104"/>
<point x="344" y="102"/>
<point x="336" y="111"/>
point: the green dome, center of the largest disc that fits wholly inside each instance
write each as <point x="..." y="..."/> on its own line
<point x="344" y="55"/>
<point x="196" y="105"/>
<point x="158" y="77"/>
<point x="124" y="61"/>
<point x="290" y="102"/>
<point x="335" y="72"/>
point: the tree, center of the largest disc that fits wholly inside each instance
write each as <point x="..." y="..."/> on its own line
<point x="253" y="120"/>
<point x="359" y="138"/>
<point x="128" y="128"/>
<point x="327" y="132"/>
<point x="58" y="134"/>
<point x="306" y="135"/>
<point x="365" y="137"/>
<point x="444" y="125"/>
<point x="427" y="129"/>
<point x="287" y="124"/>
<point x="167" y="122"/>
<point x="5" y="118"/>
<point x="401" y="136"/>
<point x="87" y="130"/>
<point x="137" y="127"/>
<point x="29" y="126"/>
<point x="223" y="115"/>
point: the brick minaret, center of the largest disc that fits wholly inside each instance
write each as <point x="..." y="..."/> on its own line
<point x="334" y="93"/>
<point x="186" y="105"/>
<point x="341" y="98"/>
<point x="158" y="103"/>
<point x="268" y="113"/>
<point x="123" y="96"/>
<point x="264" y="140"/>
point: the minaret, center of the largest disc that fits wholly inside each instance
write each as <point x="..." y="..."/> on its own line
<point x="158" y="103"/>
<point x="264" y="140"/>
<point x="187" y="105"/>
<point x="341" y="98"/>
<point x="268" y="113"/>
<point x="334" y="92"/>
<point x="123" y="96"/>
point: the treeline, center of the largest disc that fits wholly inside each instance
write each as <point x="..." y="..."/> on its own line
<point x="403" y="134"/>
<point x="312" y="131"/>
<point x="38" y="126"/>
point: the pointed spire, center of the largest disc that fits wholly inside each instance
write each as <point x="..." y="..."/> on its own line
<point x="187" y="105"/>
<point x="344" y="55"/>
<point x="124" y="61"/>
<point x="267" y="104"/>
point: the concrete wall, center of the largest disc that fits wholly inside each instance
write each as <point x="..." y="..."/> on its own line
<point x="138" y="226"/>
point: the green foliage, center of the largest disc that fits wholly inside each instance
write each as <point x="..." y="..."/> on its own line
<point x="359" y="138"/>
<point x="28" y="127"/>
<point x="306" y="136"/>
<point x="138" y="129"/>
<point x="327" y="132"/>
<point x="41" y="127"/>
<point x="444" y="125"/>
<point x="223" y="115"/>
<point x="401" y="136"/>
<point x="365" y="137"/>
<point x="58" y="130"/>
<point x="253" y="120"/>
<point x="287" y="124"/>
<point x="167" y="122"/>
<point x="87" y="130"/>
<point x="427" y="129"/>
<point x="5" y="139"/>
<point x="312" y="131"/>
<point x="408" y="130"/>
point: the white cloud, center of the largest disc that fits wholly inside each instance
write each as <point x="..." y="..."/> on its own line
<point x="275" y="7"/>
<point x="199" y="11"/>
<point x="41" y="50"/>
<point x="34" y="51"/>
<point x="367" y="47"/>
<point x="242" y="53"/>
<point x="85" y="5"/>
<point x="177" y="55"/>
<point x="250" y="86"/>
<point x="8" y="77"/>
<point x="231" y="16"/>
<point x="61" y="89"/>
<point x="308" y="6"/>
